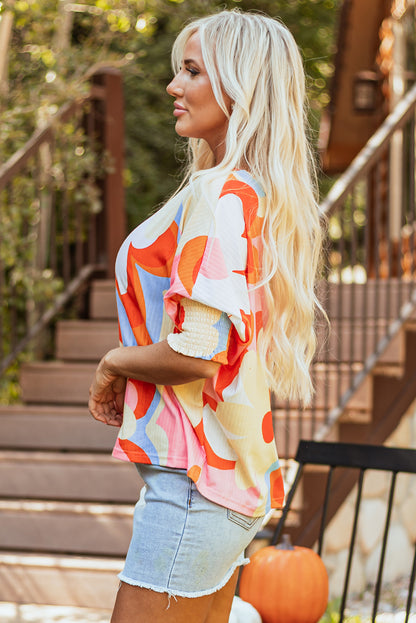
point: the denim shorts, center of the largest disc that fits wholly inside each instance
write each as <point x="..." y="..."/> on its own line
<point x="182" y="543"/>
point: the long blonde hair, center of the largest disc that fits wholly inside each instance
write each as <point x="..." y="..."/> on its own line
<point x="256" y="62"/>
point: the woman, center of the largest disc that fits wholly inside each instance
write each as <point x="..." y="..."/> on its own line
<point x="216" y="303"/>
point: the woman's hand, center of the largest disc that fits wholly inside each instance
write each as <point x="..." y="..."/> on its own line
<point x="155" y="363"/>
<point x="107" y="396"/>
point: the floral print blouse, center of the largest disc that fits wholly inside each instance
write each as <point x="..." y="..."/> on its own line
<point x="187" y="274"/>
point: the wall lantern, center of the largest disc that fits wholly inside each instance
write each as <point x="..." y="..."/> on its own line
<point x="366" y="92"/>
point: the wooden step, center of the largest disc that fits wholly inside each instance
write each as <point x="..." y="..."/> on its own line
<point x="314" y="481"/>
<point x="77" y="528"/>
<point x="68" y="476"/>
<point x="46" y="427"/>
<point x="379" y="299"/>
<point x="290" y="425"/>
<point x="103" y="300"/>
<point x="56" y="382"/>
<point x="59" y="580"/>
<point x="85" y="340"/>
<point x="331" y="380"/>
<point x="346" y="341"/>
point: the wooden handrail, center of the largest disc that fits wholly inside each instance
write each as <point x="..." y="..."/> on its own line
<point x="368" y="286"/>
<point x="43" y="135"/>
<point x="48" y="316"/>
<point x="370" y="153"/>
<point x="17" y="161"/>
<point x="72" y="242"/>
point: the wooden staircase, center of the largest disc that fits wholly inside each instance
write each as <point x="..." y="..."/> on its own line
<point x="370" y="416"/>
<point x="365" y="370"/>
<point x="388" y="392"/>
<point x="339" y="359"/>
<point x="65" y="504"/>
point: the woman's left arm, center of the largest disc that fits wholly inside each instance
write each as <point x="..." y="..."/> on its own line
<point x="156" y="363"/>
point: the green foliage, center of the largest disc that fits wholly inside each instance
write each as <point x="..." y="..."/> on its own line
<point x="51" y="51"/>
<point x="9" y="386"/>
<point x="138" y="35"/>
<point x="152" y="146"/>
<point x="332" y="614"/>
<point x="60" y="179"/>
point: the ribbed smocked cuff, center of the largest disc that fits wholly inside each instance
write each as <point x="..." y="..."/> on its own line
<point x="199" y="338"/>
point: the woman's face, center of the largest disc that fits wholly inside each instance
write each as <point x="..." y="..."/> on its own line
<point x="197" y="112"/>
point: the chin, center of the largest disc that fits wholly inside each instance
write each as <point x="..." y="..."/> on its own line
<point x="180" y="126"/>
<point x="182" y="130"/>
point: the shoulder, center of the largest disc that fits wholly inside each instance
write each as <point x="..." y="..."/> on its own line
<point x="214" y="190"/>
<point x="242" y="190"/>
<point x="233" y="201"/>
<point x="242" y="184"/>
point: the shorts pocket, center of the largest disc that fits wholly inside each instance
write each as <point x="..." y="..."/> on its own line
<point x="244" y="521"/>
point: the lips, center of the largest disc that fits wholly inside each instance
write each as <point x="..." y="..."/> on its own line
<point x="178" y="110"/>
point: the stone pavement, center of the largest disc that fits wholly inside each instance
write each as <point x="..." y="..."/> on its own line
<point x="27" y="613"/>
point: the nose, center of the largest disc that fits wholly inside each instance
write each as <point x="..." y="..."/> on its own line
<point x="174" y="87"/>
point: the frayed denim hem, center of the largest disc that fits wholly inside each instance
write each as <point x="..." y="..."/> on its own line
<point x="175" y="593"/>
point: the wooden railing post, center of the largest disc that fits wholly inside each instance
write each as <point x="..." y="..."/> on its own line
<point x="68" y="242"/>
<point x="112" y="127"/>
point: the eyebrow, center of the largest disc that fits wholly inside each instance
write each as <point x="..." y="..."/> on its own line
<point x="187" y="61"/>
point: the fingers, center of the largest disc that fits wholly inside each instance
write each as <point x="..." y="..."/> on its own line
<point x="114" y="421"/>
<point x="109" y="419"/>
<point x="107" y="399"/>
<point x="105" y="412"/>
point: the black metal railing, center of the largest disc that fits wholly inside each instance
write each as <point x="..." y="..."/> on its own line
<point x="350" y="461"/>
<point x="368" y="287"/>
<point x="57" y="228"/>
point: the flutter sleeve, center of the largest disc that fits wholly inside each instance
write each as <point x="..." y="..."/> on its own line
<point x="208" y="298"/>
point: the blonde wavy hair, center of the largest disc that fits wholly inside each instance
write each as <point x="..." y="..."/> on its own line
<point x="254" y="59"/>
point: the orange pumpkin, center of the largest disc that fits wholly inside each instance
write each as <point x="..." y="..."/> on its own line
<point x="286" y="584"/>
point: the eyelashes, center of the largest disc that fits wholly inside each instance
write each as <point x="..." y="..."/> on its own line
<point x="192" y="70"/>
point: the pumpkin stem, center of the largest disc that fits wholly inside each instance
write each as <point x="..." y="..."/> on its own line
<point x="285" y="543"/>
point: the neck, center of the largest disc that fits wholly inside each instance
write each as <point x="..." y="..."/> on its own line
<point x="219" y="153"/>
